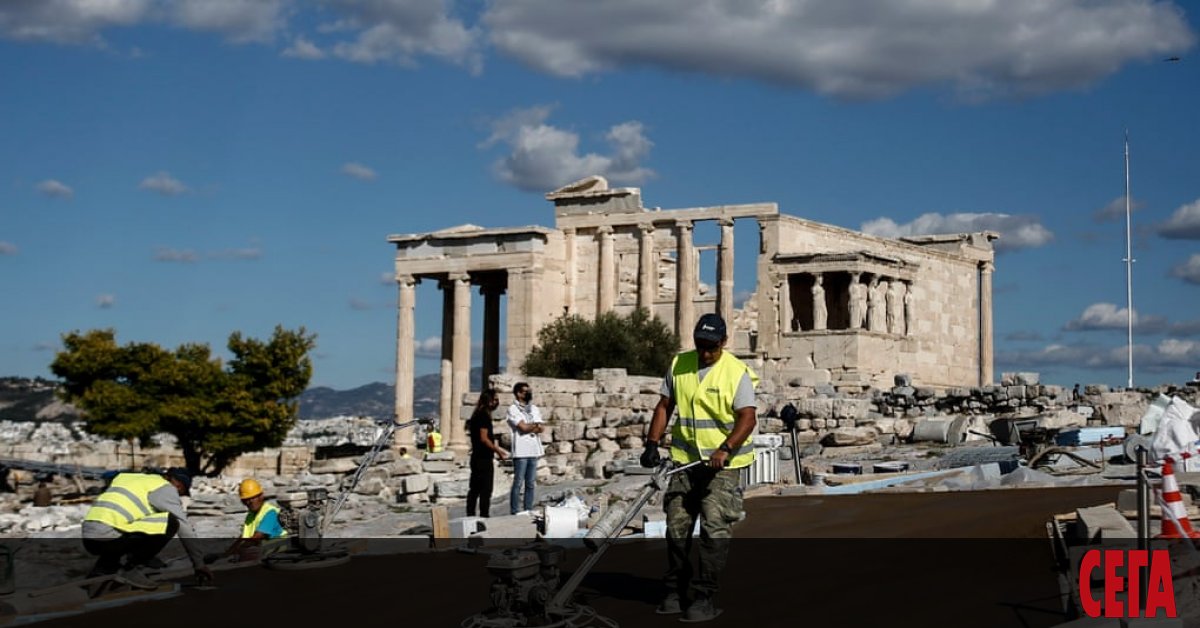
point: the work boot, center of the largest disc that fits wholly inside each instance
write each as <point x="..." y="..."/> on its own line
<point x="700" y="610"/>
<point x="135" y="578"/>
<point x="670" y="605"/>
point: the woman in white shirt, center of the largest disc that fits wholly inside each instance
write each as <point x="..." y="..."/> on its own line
<point x="525" y="421"/>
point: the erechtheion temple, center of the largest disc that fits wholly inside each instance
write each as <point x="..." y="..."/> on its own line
<point x="830" y="305"/>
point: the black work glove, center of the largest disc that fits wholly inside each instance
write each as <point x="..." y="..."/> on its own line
<point x="650" y="456"/>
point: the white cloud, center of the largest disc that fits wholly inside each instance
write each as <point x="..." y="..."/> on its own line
<point x="165" y="254"/>
<point x="68" y="21"/>
<point x="244" y="253"/>
<point x="400" y="31"/>
<point x="55" y="189"/>
<point x="1104" y="316"/>
<point x="1167" y="354"/>
<point x="359" y="304"/>
<point x="1188" y="271"/>
<point x="1101" y="316"/>
<point x="8" y="248"/>
<point x="1115" y="209"/>
<point x="1016" y="232"/>
<point x="164" y="184"/>
<point x="387" y="278"/>
<point x="106" y="301"/>
<point x="544" y="157"/>
<point x="861" y="49"/>
<point x="430" y="347"/>
<point x="239" y="20"/>
<point x="302" y="48"/>
<point x="1184" y="224"/>
<point x="358" y="171"/>
<point x="190" y="256"/>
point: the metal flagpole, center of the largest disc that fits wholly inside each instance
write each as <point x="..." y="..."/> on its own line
<point x="1128" y="262"/>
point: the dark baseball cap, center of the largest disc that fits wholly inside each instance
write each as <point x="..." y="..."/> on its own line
<point x="185" y="478"/>
<point x="710" y="327"/>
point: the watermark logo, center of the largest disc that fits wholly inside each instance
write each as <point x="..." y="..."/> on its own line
<point x="1121" y="571"/>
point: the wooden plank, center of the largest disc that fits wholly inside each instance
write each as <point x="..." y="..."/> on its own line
<point x="440" y="516"/>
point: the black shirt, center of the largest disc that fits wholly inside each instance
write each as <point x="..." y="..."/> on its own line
<point x="480" y="419"/>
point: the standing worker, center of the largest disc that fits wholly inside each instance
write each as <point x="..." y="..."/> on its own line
<point x="261" y="526"/>
<point x="134" y="519"/>
<point x="525" y="421"/>
<point x="483" y="449"/>
<point x="714" y="393"/>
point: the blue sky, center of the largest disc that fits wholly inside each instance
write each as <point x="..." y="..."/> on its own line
<point x="181" y="169"/>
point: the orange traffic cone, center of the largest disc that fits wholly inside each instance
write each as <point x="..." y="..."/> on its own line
<point x="1175" y="522"/>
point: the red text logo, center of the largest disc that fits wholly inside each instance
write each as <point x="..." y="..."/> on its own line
<point x="1122" y="570"/>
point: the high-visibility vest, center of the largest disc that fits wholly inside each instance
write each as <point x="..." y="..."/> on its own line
<point x="125" y="504"/>
<point x="433" y="443"/>
<point x="706" y="415"/>
<point x="254" y="518"/>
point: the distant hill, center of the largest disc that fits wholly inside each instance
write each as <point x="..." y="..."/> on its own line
<point x="25" y="399"/>
<point x="377" y="399"/>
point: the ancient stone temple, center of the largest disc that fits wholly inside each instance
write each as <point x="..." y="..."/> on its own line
<point x="830" y="305"/>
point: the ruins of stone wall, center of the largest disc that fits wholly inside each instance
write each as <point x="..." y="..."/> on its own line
<point x="596" y="428"/>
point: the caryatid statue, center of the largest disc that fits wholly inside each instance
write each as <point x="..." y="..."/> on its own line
<point x="857" y="302"/>
<point x="908" y="308"/>
<point x="894" y="316"/>
<point x="874" y="306"/>
<point x="820" y="311"/>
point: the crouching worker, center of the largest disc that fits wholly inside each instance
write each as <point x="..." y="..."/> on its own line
<point x="262" y="532"/>
<point x="134" y="519"/>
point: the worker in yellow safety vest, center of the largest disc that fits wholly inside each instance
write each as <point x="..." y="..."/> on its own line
<point x="134" y="519"/>
<point x="433" y="442"/>
<point x="714" y="394"/>
<point x="262" y="531"/>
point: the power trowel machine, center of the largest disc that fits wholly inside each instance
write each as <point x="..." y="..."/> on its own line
<point x="526" y="588"/>
<point x="306" y="518"/>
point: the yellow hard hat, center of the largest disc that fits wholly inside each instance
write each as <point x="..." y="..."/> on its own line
<point x="249" y="488"/>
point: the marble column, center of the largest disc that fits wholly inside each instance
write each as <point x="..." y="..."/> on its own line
<point x="569" y="265"/>
<point x="725" y="272"/>
<point x="785" y="304"/>
<point x="648" y="270"/>
<point x="607" y="294"/>
<point x="491" y="331"/>
<point x="685" y="282"/>
<point x="985" y="323"/>
<point x="405" y="358"/>
<point x="447" y="365"/>
<point x="454" y="434"/>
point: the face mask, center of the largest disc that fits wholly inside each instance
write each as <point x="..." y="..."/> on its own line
<point x="528" y="396"/>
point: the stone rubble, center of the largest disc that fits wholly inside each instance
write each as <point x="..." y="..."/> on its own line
<point x="595" y="430"/>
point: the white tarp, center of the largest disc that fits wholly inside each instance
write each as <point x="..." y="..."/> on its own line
<point x="1175" y="432"/>
<point x="1154" y="414"/>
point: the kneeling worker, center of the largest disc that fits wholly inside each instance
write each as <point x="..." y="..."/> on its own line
<point x="261" y="526"/>
<point x="134" y="519"/>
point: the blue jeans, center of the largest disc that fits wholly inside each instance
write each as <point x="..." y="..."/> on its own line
<point x="524" y="472"/>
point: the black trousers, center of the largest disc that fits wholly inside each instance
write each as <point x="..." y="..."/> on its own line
<point x="135" y="547"/>
<point x="479" y="490"/>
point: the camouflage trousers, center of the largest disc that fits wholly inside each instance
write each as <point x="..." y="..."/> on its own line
<point x="716" y="498"/>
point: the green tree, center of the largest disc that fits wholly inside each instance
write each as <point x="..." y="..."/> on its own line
<point x="216" y="412"/>
<point x="572" y="347"/>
